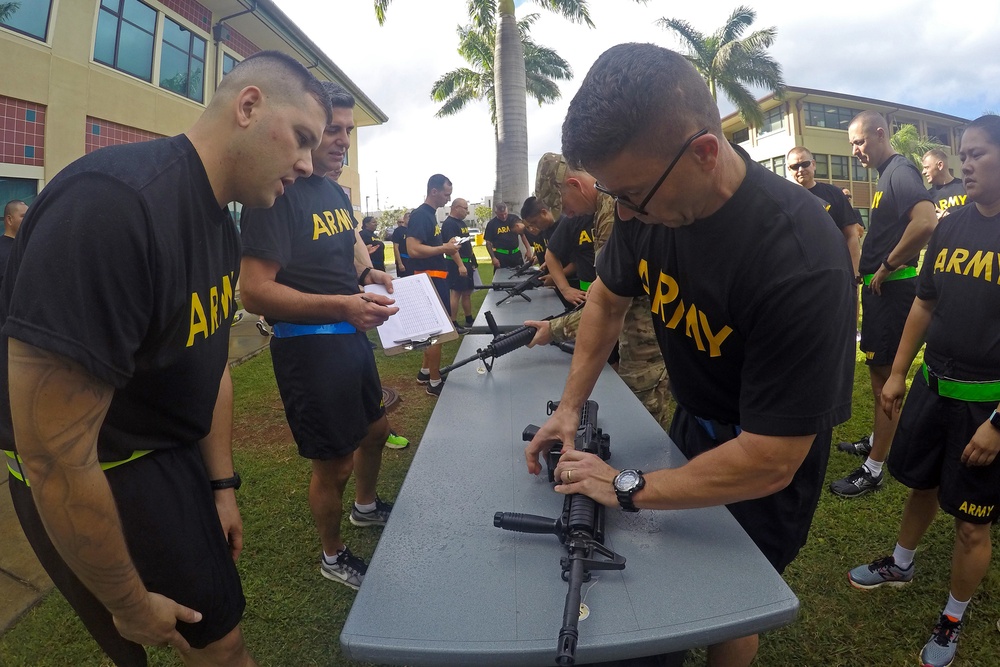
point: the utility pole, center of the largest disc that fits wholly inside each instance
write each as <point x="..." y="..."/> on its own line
<point x="377" y="204"/>
<point x="368" y="209"/>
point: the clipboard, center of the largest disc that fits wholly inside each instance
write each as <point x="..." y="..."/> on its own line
<point x="422" y="320"/>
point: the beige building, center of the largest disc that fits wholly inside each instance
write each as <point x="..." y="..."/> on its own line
<point x="81" y="74"/>
<point x="818" y="120"/>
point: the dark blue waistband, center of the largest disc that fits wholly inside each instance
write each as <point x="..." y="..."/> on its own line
<point x="404" y="255"/>
<point x="289" y="330"/>
<point x="719" y="431"/>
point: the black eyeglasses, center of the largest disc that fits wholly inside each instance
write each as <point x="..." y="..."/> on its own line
<point x="640" y="208"/>
<point x="800" y="165"/>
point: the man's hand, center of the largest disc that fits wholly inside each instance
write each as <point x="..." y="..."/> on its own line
<point x="232" y="522"/>
<point x="543" y="333"/>
<point x="560" y="427"/>
<point x="573" y="295"/>
<point x="983" y="447"/>
<point x="154" y="622"/>
<point x="462" y="271"/>
<point x="582" y="472"/>
<point x="376" y="277"/>
<point x="892" y="395"/>
<point x="451" y="247"/>
<point x="878" y="278"/>
<point x="367" y="311"/>
<point x="496" y="262"/>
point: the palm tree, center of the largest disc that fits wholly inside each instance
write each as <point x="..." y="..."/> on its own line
<point x="912" y="145"/>
<point x="7" y="10"/>
<point x="511" y="81"/>
<point x="731" y="62"/>
<point x="461" y="86"/>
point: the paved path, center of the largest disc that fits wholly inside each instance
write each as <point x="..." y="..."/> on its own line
<point x="22" y="581"/>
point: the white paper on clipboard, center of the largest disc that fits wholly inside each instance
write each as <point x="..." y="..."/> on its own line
<point x="421" y="314"/>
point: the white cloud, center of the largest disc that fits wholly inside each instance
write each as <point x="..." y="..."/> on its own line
<point x="940" y="56"/>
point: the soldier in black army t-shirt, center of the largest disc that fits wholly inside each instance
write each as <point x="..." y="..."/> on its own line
<point x="760" y="361"/>
<point x="946" y="190"/>
<point x="462" y="265"/>
<point x="376" y="249"/>
<point x="572" y="244"/>
<point x="899" y="225"/>
<point x="502" y="239"/>
<point x="115" y="376"/>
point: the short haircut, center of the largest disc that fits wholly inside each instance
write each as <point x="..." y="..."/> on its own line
<point x="338" y="95"/>
<point x="801" y="149"/>
<point x="367" y="219"/>
<point x="500" y="206"/>
<point x="937" y="155"/>
<point x="9" y="207"/>
<point x="871" y="121"/>
<point x="278" y="76"/>
<point x="532" y="206"/>
<point x="437" y="182"/>
<point x="990" y="124"/>
<point x="640" y="97"/>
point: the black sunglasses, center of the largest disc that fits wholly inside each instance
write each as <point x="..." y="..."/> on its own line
<point x="800" y="165"/>
<point x="640" y="208"/>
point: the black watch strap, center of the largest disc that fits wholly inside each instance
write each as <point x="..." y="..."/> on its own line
<point x="888" y="267"/>
<point x="233" y="482"/>
<point x="625" y="496"/>
<point x="364" y="274"/>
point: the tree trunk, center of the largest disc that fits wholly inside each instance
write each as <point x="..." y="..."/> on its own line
<point x="512" y="115"/>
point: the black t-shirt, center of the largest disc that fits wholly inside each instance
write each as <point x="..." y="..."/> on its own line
<point x="452" y="227"/>
<point x="961" y="271"/>
<point x="309" y="232"/>
<point x="146" y="264"/>
<point x="6" y="243"/>
<point x="573" y="242"/>
<point x="378" y="257"/>
<point x="540" y="242"/>
<point x="899" y="189"/>
<point x="425" y="228"/>
<point x="399" y="240"/>
<point x="948" y="195"/>
<point x="752" y="306"/>
<point x="501" y="233"/>
<point x="835" y="203"/>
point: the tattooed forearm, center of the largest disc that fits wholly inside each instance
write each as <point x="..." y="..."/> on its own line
<point x="57" y="409"/>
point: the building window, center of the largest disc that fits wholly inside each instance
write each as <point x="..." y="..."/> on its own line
<point x="125" y="37"/>
<point x="822" y="166"/>
<point x="30" y="17"/>
<point x="182" y="61"/>
<point x="860" y="173"/>
<point x="939" y="134"/>
<point x="826" y="115"/>
<point x="739" y="136"/>
<point x="839" y="168"/>
<point x="228" y="63"/>
<point x="773" y="121"/>
<point x="864" y="216"/>
<point x="24" y="189"/>
<point x="779" y="166"/>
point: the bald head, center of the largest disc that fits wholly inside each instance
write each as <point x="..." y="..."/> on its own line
<point x="13" y="214"/>
<point x="459" y="209"/>
<point x="869" y="137"/>
<point x="278" y="76"/>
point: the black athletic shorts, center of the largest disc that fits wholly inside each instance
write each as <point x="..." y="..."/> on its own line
<point x="511" y="260"/>
<point x="927" y="453"/>
<point x="460" y="283"/>
<point x="882" y="319"/>
<point x="331" y="391"/>
<point x="171" y="526"/>
<point x="779" y="523"/>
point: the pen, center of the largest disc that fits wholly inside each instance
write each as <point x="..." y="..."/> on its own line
<point x="369" y="299"/>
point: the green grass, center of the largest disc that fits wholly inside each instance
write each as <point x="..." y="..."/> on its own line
<point x="294" y="617"/>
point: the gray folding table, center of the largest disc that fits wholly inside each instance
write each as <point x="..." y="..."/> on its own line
<point x="447" y="588"/>
<point x="514" y="311"/>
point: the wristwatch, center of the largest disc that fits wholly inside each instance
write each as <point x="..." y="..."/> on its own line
<point x="995" y="420"/>
<point x="233" y="482"/>
<point x="627" y="483"/>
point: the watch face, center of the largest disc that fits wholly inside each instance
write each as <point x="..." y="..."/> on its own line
<point x="627" y="480"/>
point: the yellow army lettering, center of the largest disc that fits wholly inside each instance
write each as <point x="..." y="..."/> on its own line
<point x="220" y="303"/>
<point x="877" y="199"/>
<point x="978" y="511"/>
<point x="954" y="200"/>
<point x="331" y="223"/>
<point x="503" y="230"/>
<point x="696" y="323"/>
<point x="980" y="265"/>
<point x="827" y="207"/>
<point x="584" y="238"/>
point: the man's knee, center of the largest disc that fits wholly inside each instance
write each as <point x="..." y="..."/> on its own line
<point x="378" y="433"/>
<point x="230" y="651"/>
<point x="971" y="536"/>
<point x="334" y="471"/>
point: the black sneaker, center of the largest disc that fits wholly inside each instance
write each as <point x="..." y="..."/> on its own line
<point x="459" y="328"/>
<point x="857" y="484"/>
<point x="377" y="517"/>
<point x="862" y="447"/>
<point x="423" y="378"/>
<point x="435" y="391"/>
<point x="262" y="328"/>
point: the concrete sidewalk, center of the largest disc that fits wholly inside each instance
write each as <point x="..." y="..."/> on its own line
<point x="22" y="581"/>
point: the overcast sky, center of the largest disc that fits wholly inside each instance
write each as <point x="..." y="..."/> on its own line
<point x="941" y="56"/>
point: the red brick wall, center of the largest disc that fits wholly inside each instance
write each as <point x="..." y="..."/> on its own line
<point x="101" y="133"/>
<point x="22" y="132"/>
<point x="192" y="11"/>
<point x="240" y="44"/>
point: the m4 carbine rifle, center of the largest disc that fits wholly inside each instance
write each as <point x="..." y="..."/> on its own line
<point x="580" y="528"/>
